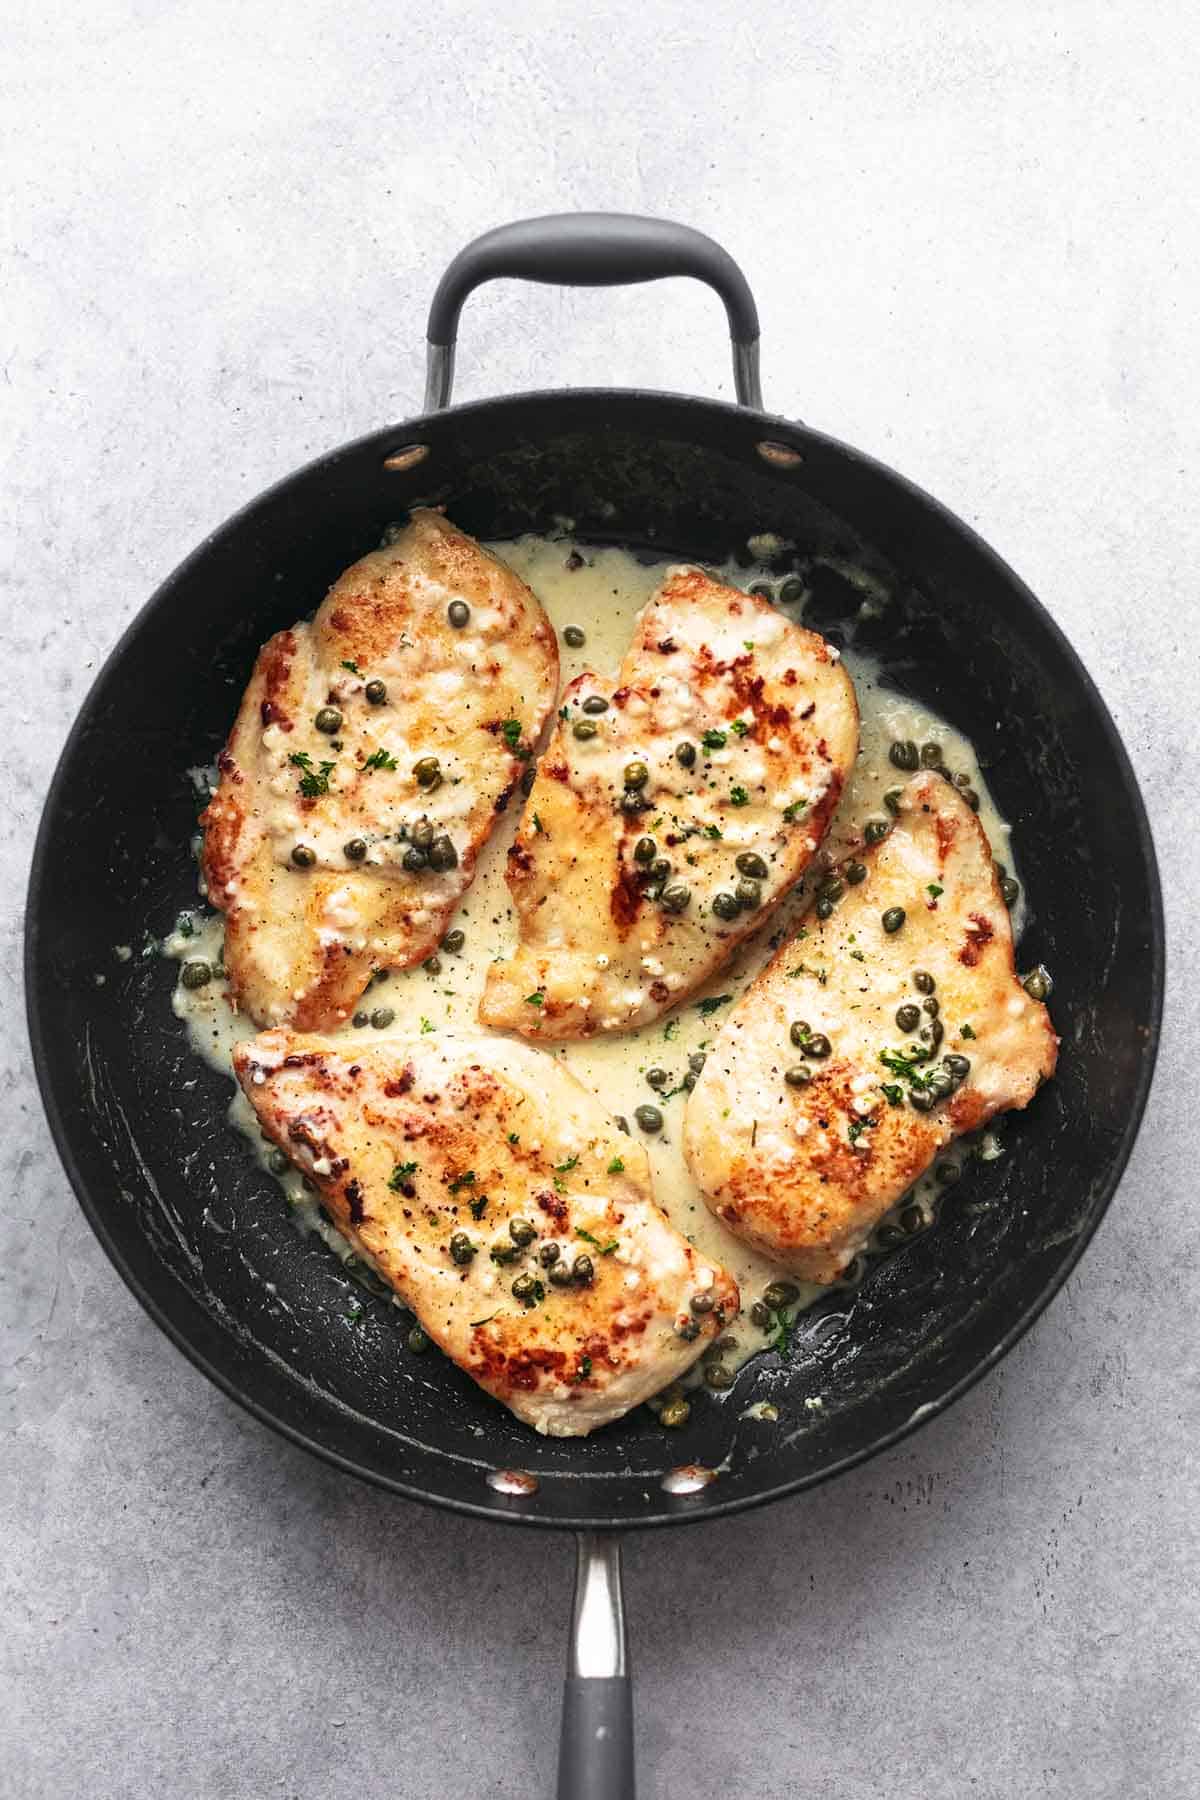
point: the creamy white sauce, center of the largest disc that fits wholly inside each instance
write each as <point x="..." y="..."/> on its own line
<point x="602" y="598"/>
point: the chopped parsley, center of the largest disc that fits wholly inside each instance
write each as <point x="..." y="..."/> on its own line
<point x="604" y="1249"/>
<point x="512" y="732"/>
<point x="616" y="1166"/>
<point x="858" y="956"/>
<point x="966" y="1032"/>
<point x="538" y="826"/>
<point x="312" y="781"/>
<point x="564" y="1168"/>
<point x="738" y="797"/>
<point x="856" y="1128"/>
<point x="476" y="1323"/>
<point x="783" y="1332"/>
<point x="426" y="1027"/>
<point x="400" y="1175"/>
<point x="740" y="727"/>
<point x="714" y="832"/>
<point x="380" y="760"/>
<point x="933" y="890"/>
<point x="562" y="712"/>
<point x="671" y="1029"/>
<point x="707" y="1007"/>
<point x="461" y="1181"/>
<point x="352" y="666"/>
<point x="514" y="1137"/>
<point x="713" y="740"/>
<point x="584" y="1369"/>
<point x="821" y="975"/>
<point x="792" y="813"/>
<point x="894" y="1093"/>
<point x="907" y="1067"/>
<point x="535" y="999"/>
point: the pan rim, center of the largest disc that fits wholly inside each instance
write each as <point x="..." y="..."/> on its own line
<point x="710" y="1505"/>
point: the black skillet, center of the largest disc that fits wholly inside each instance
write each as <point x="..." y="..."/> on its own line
<point x="197" y="1230"/>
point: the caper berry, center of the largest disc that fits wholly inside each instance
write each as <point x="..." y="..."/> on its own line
<point x="893" y="919"/>
<point x="725" y="906"/>
<point x="875" y="830"/>
<point x="196" y="974"/>
<point x="676" y="897"/>
<point x="649" y="1118"/>
<point x="912" y="1219"/>
<point x="522" y="1231"/>
<point x="636" y="774"/>
<point x="414" y="859"/>
<point x="855" y="872"/>
<point x="747" y="894"/>
<point x="792" y="590"/>
<point x="595" y="703"/>
<point x="892" y="800"/>
<point x="696" y="1061"/>
<point x="454" y="941"/>
<point x="716" y="1375"/>
<point x="417" y="1342"/>
<point x="702" y="1303"/>
<point x="760" y="1314"/>
<point x="931" y="755"/>
<point x="583" y="1270"/>
<point x="303" y="857"/>
<point x="908" y="1016"/>
<point x="278" y="1163"/>
<point x="781" y="1294"/>
<point x="1010" y="891"/>
<point x="382" y="1017"/>
<point x="675" y="1413"/>
<point x="959" y="1066"/>
<point x="458" y="613"/>
<point x="1038" y="983"/>
<point x="748" y="863"/>
<point x="657" y="1078"/>
<point x="427" y="772"/>
<point x="904" y="754"/>
<point x="644" y="850"/>
<point x="376" y="692"/>
<point x="817" y="1045"/>
<point x="574" y="637"/>
<point x="422" y="834"/>
<point x="947" y="1173"/>
<point x="442" y="854"/>
<point x="328" y="720"/>
<point x="462" y="1249"/>
<point x="355" y="850"/>
<point x="923" y="981"/>
<point x="798" y="1076"/>
<point x="685" y="755"/>
<point x="524" y="1289"/>
<point x="584" y="729"/>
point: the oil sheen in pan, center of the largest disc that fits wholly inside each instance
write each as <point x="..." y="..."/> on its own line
<point x="596" y="594"/>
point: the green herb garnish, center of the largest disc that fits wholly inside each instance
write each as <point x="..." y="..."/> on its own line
<point x="380" y="760"/>
<point x="512" y="732"/>
<point x="740" y="726"/>
<point x="538" y="826"/>
<point x="714" y="832"/>
<point x="478" y="1206"/>
<point x="461" y="1181"/>
<point x="604" y="1249"/>
<point x="713" y="740"/>
<point x="535" y="999"/>
<point x="707" y="1007"/>
<point x="792" y="813"/>
<point x="616" y="1166"/>
<point x="313" y="782"/>
<point x="895" y="1095"/>
<point x="352" y="666"/>
<point x="400" y="1175"/>
<point x="966" y="1032"/>
<point x="933" y="890"/>
<point x="738" y="797"/>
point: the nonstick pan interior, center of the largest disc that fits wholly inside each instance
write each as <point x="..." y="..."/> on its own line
<point x="201" y="1234"/>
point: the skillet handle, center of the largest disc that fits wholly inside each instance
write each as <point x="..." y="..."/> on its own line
<point x="591" y="250"/>
<point x="595" y="1753"/>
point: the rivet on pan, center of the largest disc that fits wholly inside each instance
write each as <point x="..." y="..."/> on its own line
<point x="512" y="1481"/>
<point x="782" y="455"/>
<point x="689" y="1478"/>
<point x="406" y="457"/>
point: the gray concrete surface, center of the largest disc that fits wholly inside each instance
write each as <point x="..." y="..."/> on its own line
<point x="973" y="235"/>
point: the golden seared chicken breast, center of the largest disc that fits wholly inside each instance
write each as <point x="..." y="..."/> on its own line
<point x="672" y="810"/>
<point x="871" y="1040"/>
<point x="372" y="753"/>
<point x="505" y="1207"/>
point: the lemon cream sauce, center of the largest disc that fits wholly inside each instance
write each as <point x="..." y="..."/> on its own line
<point x="599" y="592"/>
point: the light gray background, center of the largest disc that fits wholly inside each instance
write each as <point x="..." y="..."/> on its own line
<point x="972" y="230"/>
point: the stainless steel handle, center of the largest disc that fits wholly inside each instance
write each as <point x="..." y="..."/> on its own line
<point x="595" y="1757"/>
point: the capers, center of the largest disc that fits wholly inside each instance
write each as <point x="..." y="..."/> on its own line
<point x="904" y="754"/>
<point x="355" y="849"/>
<point x="824" y="907"/>
<point x="660" y="869"/>
<point x="676" y="897"/>
<point x="559" y="1274"/>
<point x="932" y="1006"/>
<point x="649" y="1118"/>
<point x="875" y="830"/>
<point x="633" y="801"/>
<point x="761" y="590"/>
<point x="892" y="800"/>
<point x="524" y="1289"/>
<point x="675" y="1413"/>
<point x="382" y="1017"/>
<point x="912" y="1220"/>
<point x="417" y="1341"/>
<point x="748" y="894"/>
<point x="644" y="850"/>
<point x="376" y="692"/>
<point x="427" y="772"/>
<point x="303" y="857"/>
<point x="454" y="941"/>
<point x="442" y="854"/>
<point x="1010" y="891"/>
<point x="196" y="974"/>
<point x="595" y="703"/>
<point x="725" y="906"/>
<point x="702" y="1303"/>
<point x="941" y="1083"/>
<point x="760" y="1315"/>
<point x="583" y="1270"/>
<point x="817" y="1045"/>
<point x="716" y="1375"/>
<point x="696" y="1061"/>
<point x="685" y="755"/>
<point x="888" y="1236"/>
<point x="931" y="756"/>
<point x="528" y="779"/>
<point x="548" y="1255"/>
<point x="1038" y="983"/>
<point x="959" y="1066"/>
<point x="893" y="919"/>
<point x="854" y="872"/>
<point x="923" y="981"/>
<point x="414" y="859"/>
<point x="328" y="720"/>
<point x="689" y="1330"/>
<point x="462" y="1250"/>
<point x="908" y="1016"/>
<point x="278" y="1162"/>
<point x="360" y="1021"/>
<point x="636" y="775"/>
<point x="832" y="888"/>
<point x="933" y="1033"/>
<point x="522" y="1231"/>
<point x="574" y="637"/>
<point x="922" y="1099"/>
<point x="657" y="1078"/>
<point x="584" y="729"/>
<point x="422" y="834"/>
<point x="971" y="798"/>
<point x="458" y="613"/>
<point x="781" y="1294"/>
<point x="798" y="1076"/>
<point x="792" y="590"/>
<point x="502" y="1252"/>
<point x="432" y="965"/>
<point x="748" y="863"/>
<point x="947" y="1173"/>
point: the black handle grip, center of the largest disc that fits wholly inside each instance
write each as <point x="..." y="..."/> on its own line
<point x="595" y="1753"/>
<point x="592" y="250"/>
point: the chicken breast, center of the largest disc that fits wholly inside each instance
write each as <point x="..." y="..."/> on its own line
<point x="671" y="811"/>
<point x="901" y="1023"/>
<point x="505" y="1207"/>
<point x="372" y="753"/>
